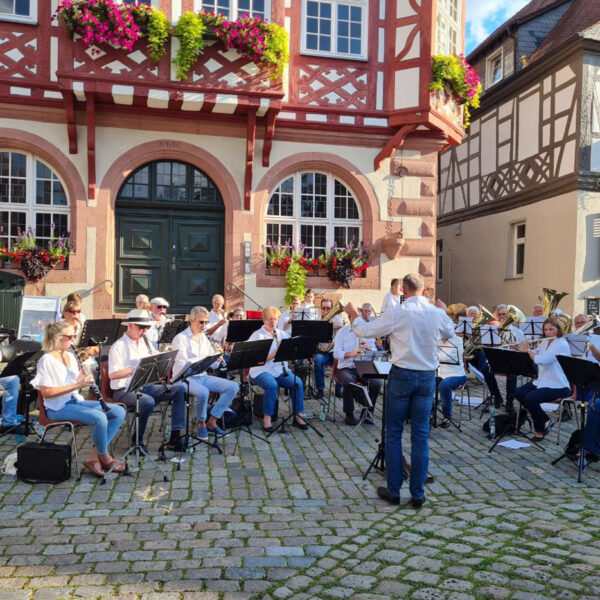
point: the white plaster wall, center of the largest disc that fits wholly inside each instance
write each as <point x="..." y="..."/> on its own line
<point x="587" y="257"/>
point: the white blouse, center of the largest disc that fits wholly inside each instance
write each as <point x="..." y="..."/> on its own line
<point x="550" y="374"/>
<point x="273" y="368"/>
<point x="390" y="301"/>
<point x="52" y="372"/>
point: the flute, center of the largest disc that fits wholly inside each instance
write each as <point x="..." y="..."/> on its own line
<point x="93" y="385"/>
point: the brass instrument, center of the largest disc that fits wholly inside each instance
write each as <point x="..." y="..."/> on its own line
<point x="336" y="309"/>
<point x="217" y="349"/>
<point x="474" y="342"/>
<point x="456" y="310"/>
<point x="591" y="324"/>
<point x="93" y="385"/>
<point x="551" y="300"/>
<point x="515" y="315"/>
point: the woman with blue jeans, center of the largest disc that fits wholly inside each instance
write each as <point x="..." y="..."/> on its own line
<point x="10" y="385"/>
<point x="273" y="375"/>
<point x="451" y="374"/>
<point x="59" y="380"/>
<point x="551" y="382"/>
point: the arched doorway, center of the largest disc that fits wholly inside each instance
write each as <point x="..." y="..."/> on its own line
<point x="170" y="222"/>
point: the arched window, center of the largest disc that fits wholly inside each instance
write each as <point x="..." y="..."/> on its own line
<point x="31" y="195"/>
<point x="315" y="209"/>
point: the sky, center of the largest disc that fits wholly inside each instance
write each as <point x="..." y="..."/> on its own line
<point x="484" y="16"/>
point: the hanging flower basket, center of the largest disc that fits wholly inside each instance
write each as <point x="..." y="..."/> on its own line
<point x="392" y="246"/>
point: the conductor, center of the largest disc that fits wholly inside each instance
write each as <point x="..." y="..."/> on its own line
<point x="415" y="328"/>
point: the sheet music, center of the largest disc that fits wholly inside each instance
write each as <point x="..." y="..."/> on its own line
<point x="364" y="392"/>
<point x="532" y="327"/>
<point x="383" y="368"/>
<point x="489" y="335"/>
<point x="464" y="326"/>
<point x="577" y="344"/>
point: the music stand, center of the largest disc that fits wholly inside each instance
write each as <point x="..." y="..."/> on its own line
<point x="192" y="369"/>
<point x="584" y="374"/>
<point x="99" y="332"/>
<point x="487" y="337"/>
<point x="577" y="344"/>
<point x="294" y="348"/>
<point x="511" y="362"/>
<point x="464" y="326"/>
<point x="245" y="355"/>
<point x="151" y="369"/>
<point x="447" y="355"/>
<point x="170" y="330"/>
<point x="532" y="327"/>
<point x="241" y="329"/>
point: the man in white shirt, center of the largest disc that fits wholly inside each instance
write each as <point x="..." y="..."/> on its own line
<point x="217" y="327"/>
<point x="158" y="312"/>
<point x="123" y="359"/>
<point x="346" y="348"/>
<point x="415" y="329"/>
<point x="323" y="358"/>
<point x="286" y="318"/>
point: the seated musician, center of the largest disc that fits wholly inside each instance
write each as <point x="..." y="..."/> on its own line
<point x="393" y="297"/>
<point x="59" y="379"/>
<point x="72" y="315"/>
<point x="10" y="384"/>
<point x="450" y="376"/>
<point x="518" y="336"/>
<point x="77" y="298"/>
<point x="579" y="321"/>
<point x="286" y="318"/>
<point x="123" y="359"/>
<point x="218" y="319"/>
<point x="324" y="354"/>
<point x="473" y="312"/>
<point x="538" y="310"/>
<point x="367" y="312"/>
<point x="193" y="345"/>
<point x="274" y="375"/>
<point x="309" y="308"/>
<point x="142" y="302"/>
<point x="158" y="312"/>
<point x="237" y="314"/>
<point x="346" y="348"/>
<point x="551" y="382"/>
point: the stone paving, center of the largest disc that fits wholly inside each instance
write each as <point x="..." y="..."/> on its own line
<point x="295" y="519"/>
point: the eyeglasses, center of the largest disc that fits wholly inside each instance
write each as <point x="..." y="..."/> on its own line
<point x="75" y="312"/>
<point x="202" y="322"/>
<point x="162" y="307"/>
<point x="142" y="326"/>
<point x="68" y="337"/>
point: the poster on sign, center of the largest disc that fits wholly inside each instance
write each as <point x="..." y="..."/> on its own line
<point x="36" y="313"/>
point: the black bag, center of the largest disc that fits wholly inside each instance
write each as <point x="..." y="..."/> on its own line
<point x="243" y="410"/>
<point x="574" y="444"/>
<point x="505" y="423"/>
<point x="258" y="407"/>
<point x="43" y="462"/>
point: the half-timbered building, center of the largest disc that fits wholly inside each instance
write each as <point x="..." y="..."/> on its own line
<point x="519" y="201"/>
<point x="173" y="188"/>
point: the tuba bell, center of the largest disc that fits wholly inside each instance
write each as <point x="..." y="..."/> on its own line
<point x="515" y="315"/>
<point x="551" y="300"/>
<point x="474" y="342"/>
<point x="335" y="310"/>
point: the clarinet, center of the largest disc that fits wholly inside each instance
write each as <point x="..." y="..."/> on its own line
<point x="217" y="349"/>
<point x="93" y="385"/>
<point x="283" y="369"/>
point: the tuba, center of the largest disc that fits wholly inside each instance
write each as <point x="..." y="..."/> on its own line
<point x="337" y="308"/>
<point x="551" y="300"/>
<point x="458" y="309"/>
<point x="515" y="315"/>
<point x="472" y="345"/>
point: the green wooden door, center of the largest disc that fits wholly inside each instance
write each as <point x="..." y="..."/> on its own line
<point x="11" y="297"/>
<point x="170" y="236"/>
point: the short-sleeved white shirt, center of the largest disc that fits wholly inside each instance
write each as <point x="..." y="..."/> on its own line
<point x="125" y="354"/>
<point x="52" y="372"/>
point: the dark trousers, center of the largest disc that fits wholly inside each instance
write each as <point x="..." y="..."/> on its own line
<point x="480" y="363"/>
<point x="531" y="397"/>
<point x="347" y="376"/>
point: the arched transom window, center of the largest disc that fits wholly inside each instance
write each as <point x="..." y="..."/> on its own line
<point x="315" y="209"/>
<point x="31" y="195"/>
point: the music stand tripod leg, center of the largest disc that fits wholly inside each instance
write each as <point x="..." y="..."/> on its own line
<point x="378" y="460"/>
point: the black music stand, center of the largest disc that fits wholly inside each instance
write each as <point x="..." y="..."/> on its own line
<point x="170" y="330"/>
<point x="294" y="348"/>
<point x="241" y="329"/>
<point x="192" y="369"/>
<point x="464" y="326"/>
<point x="245" y="355"/>
<point x="488" y="338"/>
<point x="511" y="362"/>
<point x="584" y="374"/>
<point x="99" y="332"/>
<point x="151" y="369"/>
<point x="532" y="328"/>
<point x="448" y="355"/>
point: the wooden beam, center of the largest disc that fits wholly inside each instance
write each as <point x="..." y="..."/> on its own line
<point x="90" y="113"/>
<point x="269" y="133"/>
<point x="71" y="126"/>
<point x="250" y="139"/>
<point x="396" y="141"/>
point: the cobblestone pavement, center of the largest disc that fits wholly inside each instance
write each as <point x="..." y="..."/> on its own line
<point x="295" y="519"/>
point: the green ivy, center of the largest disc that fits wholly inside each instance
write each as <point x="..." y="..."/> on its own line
<point x="295" y="282"/>
<point x="277" y="53"/>
<point x="190" y="31"/>
<point x="158" y="33"/>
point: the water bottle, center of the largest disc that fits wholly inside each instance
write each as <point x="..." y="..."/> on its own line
<point x="322" y="413"/>
<point x="37" y="427"/>
<point x="492" y="420"/>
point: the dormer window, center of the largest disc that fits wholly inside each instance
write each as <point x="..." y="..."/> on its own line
<point x="24" y="11"/>
<point x="232" y="9"/>
<point x="494" y="70"/>
<point x="335" y="28"/>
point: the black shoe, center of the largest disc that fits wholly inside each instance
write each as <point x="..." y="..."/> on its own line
<point x="417" y="502"/>
<point x="366" y="418"/>
<point x="17" y="429"/>
<point x="498" y="403"/>
<point x="384" y="494"/>
<point x="445" y="423"/>
<point x="176" y="443"/>
<point x="320" y="394"/>
<point x="268" y="429"/>
<point x="338" y="391"/>
<point x="590" y="457"/>
<point x="302" y="426"/>
<point x="351" y="420"/>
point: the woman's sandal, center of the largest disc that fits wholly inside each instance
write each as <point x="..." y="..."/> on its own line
<point x="119" y="467"/>
<point x="94" y="466"/>
<point x="445" y="423"/>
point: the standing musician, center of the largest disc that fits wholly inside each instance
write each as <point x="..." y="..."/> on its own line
<point x="415" y="329"/>
<point x="309" y="308"/>
<point x="450" y="376"/>
<point x="286" y="318"/>
<point x="218" y="319"/>
<point x="274" y="375"/>
<point x="59" y="380"/>
<point x="551" y="382"/>
<point x="193" y="345"/>
<point x="158" y="311"/>
<point x="325" y="357"/>
<point x="518" y="336"/>
<point x="123" y="359"/>
<point x="346" y="348"/>
<point x="393" y="298"/>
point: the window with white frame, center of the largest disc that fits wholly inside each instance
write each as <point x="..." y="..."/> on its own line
<point x="315" y="209"/>
<point x="232" y="9"/>
<point x="31" y="196"/>
<point x="440" y="260"/>
<point x="335" y="28"/>
<point x="448" y="27"/>
<point x="494" y="69"/>
<point x="517" y="250"/>
<point x="595" y="149"/>
<point x="18" y="10"/>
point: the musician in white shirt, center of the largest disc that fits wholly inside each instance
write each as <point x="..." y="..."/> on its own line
<point x="324" y="356"/>
<point x="218" y="319"/>
<point x="273" y="375"/>
<point x="123" y="359"/>
<point x="517" y="336"/>
<point x="415" y="329"/>
<point x="286" y="318"/>
<point x="393" y="298"/>
<point x="346" y="348"/>
<point x="193" y="345"/>
<point x="158" y="310"/>
<point x="310" y="310"/>
<point x="451" y="374"/>
<point x="551" y="382"/>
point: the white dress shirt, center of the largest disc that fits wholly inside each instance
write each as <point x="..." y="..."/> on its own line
<point x="593" y="339"/>
<point x="220" y="332"/>
<point x="550" y="374"/>
<point x="125" y="354"/>
<point x="415" y="329"/>
<point x="52" y="372"/>
<point x="273" y="368"/>
<point x="154" y="333"/>
<point x="390" y="301"/>
<point x="346" y="341"/>
<point x="190" y="350"/>
<point x="448" y="353"/>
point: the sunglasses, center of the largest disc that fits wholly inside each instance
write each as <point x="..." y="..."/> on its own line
<point x="75" y="312"/>
<point x="68" y="337"/>
<point x="202" y="322"/>
<point x="142" y="326"/>
<point x="162" y="307"/>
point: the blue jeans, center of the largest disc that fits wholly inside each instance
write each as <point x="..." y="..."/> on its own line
<point x="591" y="434"/>
<point x="271" y="387"/>
<point x="409" y="394"/>
<point x="446" y="386"/>
<point x="531" y="397"/>
<point x="9" y="399"/>
<point x="151" y="396"/>
<point x="321" y="359"/>
<point x="202" y="385"/>
<point x="105" y="424"/>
